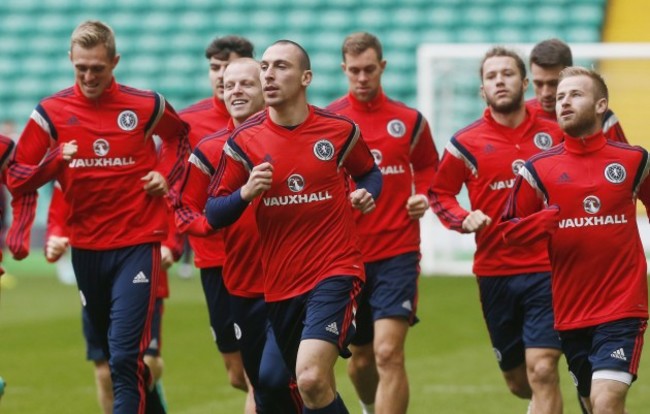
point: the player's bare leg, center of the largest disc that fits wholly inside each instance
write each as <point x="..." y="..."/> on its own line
<point x="393" y="390"/>
<point x="363" y="374"/>
<point x="517" y="382"/>
<point x="235" y="369"/>
<point x="249" y="406"/>
<point x="608" y="396"/>
<point x="544" y="380"/>
<point x="314" y="372"/>
<point x="104" y="386"/>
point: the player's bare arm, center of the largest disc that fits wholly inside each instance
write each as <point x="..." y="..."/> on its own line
<point x="259" y="180"/>
<point x="155" y="184"/>
<point x="69" y="150"/>
<point x="475" y="221"/>
<point x="417" y="205"/>
<point x="362" y="200"/>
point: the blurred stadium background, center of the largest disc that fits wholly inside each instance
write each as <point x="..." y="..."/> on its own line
<point x="162" y="44"/>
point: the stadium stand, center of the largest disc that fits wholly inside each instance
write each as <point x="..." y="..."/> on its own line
<point x="162" y="41"/>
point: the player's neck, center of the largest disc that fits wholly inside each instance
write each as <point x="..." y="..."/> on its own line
<point x="289" y="113"/>
<point x="511" y="119"/>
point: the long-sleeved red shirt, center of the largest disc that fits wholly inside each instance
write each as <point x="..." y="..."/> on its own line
<point x="206" y="117"/>
<point x="242" y="269"/>
<point x="305" y="222"/>
<point x="485" y="157"/>
<point x="598" y="262"/>
<point x="102" y="183"/>
<point x="400" y="140"/>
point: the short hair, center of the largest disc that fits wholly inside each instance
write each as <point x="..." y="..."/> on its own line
<point x="600" y="87"/>
<point x="221" y="47"/>
<point x="498" y="51"/>
<point x="92" y="33"/>
<point x="359" y="42"/>
<point x="550" y="53"/>
<point x="305" y="63"/>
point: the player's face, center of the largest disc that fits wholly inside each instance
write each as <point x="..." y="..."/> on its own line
<point x="545" y="82"/>
<point x="215" y="73"/>
<point x="283" y="79"/>
<point x="364" y="74"/>
<point x="577" y="109"/>
<point x="502" y="86"/>
<point x="242" y="90"/>
<point x="93" y="69"/>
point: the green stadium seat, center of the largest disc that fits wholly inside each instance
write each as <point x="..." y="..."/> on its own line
<point x="587" y="14"/>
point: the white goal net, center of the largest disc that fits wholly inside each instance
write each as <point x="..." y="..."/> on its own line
<point x="448" y="96"/>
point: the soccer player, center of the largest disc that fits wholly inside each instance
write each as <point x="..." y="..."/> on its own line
<point x="514" y="282"/>
<point x="400" y="140"/>
<point x="242" y="269"/>
<point x="580" y="198"/>
<point x="207" y="117"/>
<point x="57" y="243"/>
<point x="547" y="59"/>
<point x="96" y="139"/>
<point x="290" y="163"/>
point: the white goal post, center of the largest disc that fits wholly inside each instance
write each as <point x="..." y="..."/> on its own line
<point x="446" y="252"/>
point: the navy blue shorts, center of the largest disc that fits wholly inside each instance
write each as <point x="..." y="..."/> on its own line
<point x="219" y="310"/>
<point x="94" y="351"/>
<point x="615" y="346"/>
<point x="390" y="291"/>
<point x="325" y="313"/>
<point x="519" y="314"/>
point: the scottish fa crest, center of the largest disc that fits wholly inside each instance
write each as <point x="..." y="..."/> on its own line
<point x="324" y="150"/>
<point x="396" y="128"/>
<point x="615" y="173"/>
<point x="543" y="140"/>
<point x="127" y="120"/>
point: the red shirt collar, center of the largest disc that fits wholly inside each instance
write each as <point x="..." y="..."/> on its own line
<point x="585" y="145"/>
<point x="518" y="131"/>
<point x="373" y="105"/>
<point x="220" y="107"/>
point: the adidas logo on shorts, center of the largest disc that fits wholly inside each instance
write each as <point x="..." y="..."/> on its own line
<point x="332" y="328"/>
<point x="619" y="354"/>
<point x="140" y="278"/>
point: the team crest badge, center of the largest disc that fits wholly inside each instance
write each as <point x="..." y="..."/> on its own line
<point x="237" y="331"/>
<point x="296" y="183"/>
<point x="516" y="166"/>
<point x="591" y="204"/>
<point x="543" y="140"/>
<point x="376" y="154"/>
<point x="615" y="173"/>
<point x="324" y="150"/>
<point x="396" y="128"/>
<point x="127" y="120"/>
<point x="101" y="147"/>
<point x="497" y="354"/>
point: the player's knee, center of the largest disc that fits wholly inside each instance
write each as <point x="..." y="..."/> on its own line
<point x="363" y="359"/>
<point x="389" y="356"/>
<point x="544" y="372"/>
<point x="312" y="384"/>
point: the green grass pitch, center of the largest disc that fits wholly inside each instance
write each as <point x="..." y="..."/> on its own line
<point x="449" y="359"/>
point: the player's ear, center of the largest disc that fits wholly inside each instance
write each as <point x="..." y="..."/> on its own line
<point x="601" y="106"/>
<point x="481" y="92"/>
<point x="307" y="76"/>
<point x="382" y="65"/>
<point x="116" y="60"/>
<point x="524" y="84"/>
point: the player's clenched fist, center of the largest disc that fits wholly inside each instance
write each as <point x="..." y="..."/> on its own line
<point x="69" y="150"/>
<point x="362" y="200"/>
<point x="417" y="205"/>
<point x="475" y="221"/>
<point x="259" y="180"/>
